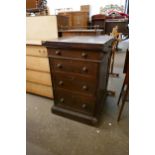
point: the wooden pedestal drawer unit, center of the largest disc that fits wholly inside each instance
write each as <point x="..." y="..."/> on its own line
<point x="79" y="69"/>
<point x="38" y="75"/>
<point x="38" y="78"/>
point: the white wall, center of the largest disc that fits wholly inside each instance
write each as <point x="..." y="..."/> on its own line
<point x="75" y="4"/>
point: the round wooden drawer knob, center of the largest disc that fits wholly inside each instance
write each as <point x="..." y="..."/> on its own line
<point x="84" y="69"/>
<point x="61" y="83"/>
<point x="59" y="65"/>
<point x="57" y="52"/>
<point x="84" y="87"/>
<point x="84" y="54"/>
<point x="84" y="106"/>
<point x="62" y="100"/>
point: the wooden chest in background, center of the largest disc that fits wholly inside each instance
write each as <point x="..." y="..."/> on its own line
<point x="62" y="22"/>
<point x="77" y="19"/>
<point x="121" y="23"/>
<point x="79" y="69"/>
<point x="85" y="8"/>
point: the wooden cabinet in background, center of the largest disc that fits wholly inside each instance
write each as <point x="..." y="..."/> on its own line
<point x="77" y="19"/>
<point x="122" y="26"/>
<point x="102" y="22"/>
<point x="31" y="4"/>
<point x="85" y="8"/>
<point x="38" y="7"/>
<point x="62" y="22"/>
<point x="99" y="21"/>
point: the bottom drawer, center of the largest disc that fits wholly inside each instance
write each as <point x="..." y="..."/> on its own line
<point x="39" y="89"/>
<point x="75" y="102"/>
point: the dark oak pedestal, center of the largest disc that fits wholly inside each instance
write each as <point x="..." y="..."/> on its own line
<point x="79" y="68"/>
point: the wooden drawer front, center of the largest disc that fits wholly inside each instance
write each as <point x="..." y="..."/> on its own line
<point x="37" y="63"/>
<point x="40" y="51"/>
<point x="39" y="89"/>
<point x="38" y="77"/>
<point x="81" y="67"/>
<point x="75" y="102"/>
<point x="81" y="54"/>
<point x="75" y="83"/>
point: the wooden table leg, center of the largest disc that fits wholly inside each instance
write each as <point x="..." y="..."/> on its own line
<point x="123" y="103"/>
<point x="113" y="60"/>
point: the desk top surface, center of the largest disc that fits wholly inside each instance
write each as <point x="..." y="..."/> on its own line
<point x="102" y="39"/>
<point x="33" y="42"/>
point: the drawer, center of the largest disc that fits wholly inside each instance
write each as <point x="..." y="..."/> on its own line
<point x="40" y="51"/>
<point x="75" y="102"/>
<point x="38" y="77"/>
<point x="39" y="89"/>
<point x="81" y="54"/>
<point x="37" y="63"/>
<point x="75" y="83"/>
<point x="74" y="66"/>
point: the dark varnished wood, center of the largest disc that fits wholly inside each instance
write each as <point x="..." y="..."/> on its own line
<point x="125" y="83"/>
<point x="76" y="83"/>
<point x="79" y="67"/>
<point x="81" y="32"/>
<point x="96" y="43"/>
<point x="90" y="120"/>
<point x="122" y="26"/>
<point x="81" y="54"/>
<point x="74" y="101"/>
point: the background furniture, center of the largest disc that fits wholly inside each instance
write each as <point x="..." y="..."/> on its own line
<point x="77" y="19"/>
<point x="37" y="7"/>
<point x="99" y="21"/>
<point x="38" y="78"/>
<point x="122" y="26"/>
<point x="79" y="69"/>
<point x="107" y="23"/>
<point x="85" y="8"/>
<point x="62" y="22"/>
<point x="83" y="32"/>
<point x="125" y="83"/>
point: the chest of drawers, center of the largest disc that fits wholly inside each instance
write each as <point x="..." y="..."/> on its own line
<point x="38" y="78"/>
<point x="79" y="70"/>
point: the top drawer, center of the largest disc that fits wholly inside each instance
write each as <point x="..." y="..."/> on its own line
<point x="39" y="51"/>
<point x="78" y="54"/>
